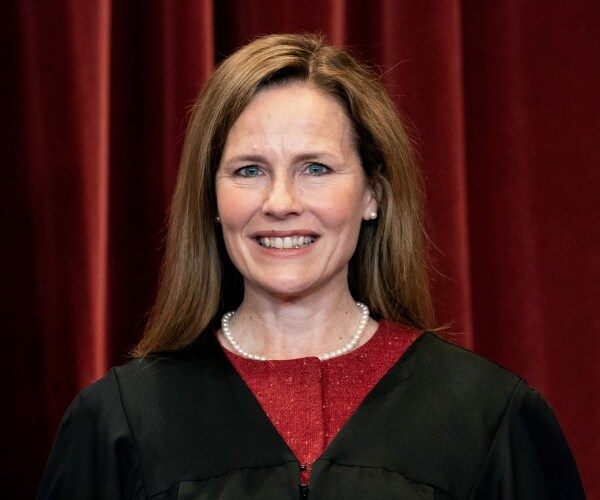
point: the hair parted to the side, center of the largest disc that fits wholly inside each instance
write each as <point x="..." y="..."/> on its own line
<point x="389" y="269"/>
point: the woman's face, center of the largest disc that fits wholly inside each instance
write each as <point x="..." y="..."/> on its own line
<point x="291" y="192"/>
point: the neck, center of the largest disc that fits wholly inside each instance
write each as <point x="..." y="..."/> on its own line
<point x="288" y="329"/>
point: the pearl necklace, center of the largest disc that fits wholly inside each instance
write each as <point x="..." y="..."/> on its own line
<point x="364" y="319"/>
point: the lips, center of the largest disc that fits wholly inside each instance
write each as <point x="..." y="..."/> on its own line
<point x="286" y="241"/>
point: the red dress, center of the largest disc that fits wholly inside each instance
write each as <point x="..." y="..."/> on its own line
<point x="308" y="400"/>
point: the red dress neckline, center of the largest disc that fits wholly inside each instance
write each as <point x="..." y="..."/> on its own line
<point x="308" y="400"/>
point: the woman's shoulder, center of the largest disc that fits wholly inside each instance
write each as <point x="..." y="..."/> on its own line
<point x="500" y="414"/>
<point x="438" y="358"/>
<point x="478" y="382"/>
<point x="114" y="424"/>
<point x="448" y="400"/>
<point x="458" y="385"/>
<point x="139" y="380"/>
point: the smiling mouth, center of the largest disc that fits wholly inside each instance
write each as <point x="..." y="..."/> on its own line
<point x="286" y="242"/>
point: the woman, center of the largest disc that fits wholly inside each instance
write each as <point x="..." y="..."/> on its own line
<point x="284" y="356"/>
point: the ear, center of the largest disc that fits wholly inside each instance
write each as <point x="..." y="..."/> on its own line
<point x="372" y="198"/>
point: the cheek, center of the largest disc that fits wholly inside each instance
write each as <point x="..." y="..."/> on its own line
<point x="233" y="216"/>
<point x="343" y="210"/>
<point x="234" y="209"/>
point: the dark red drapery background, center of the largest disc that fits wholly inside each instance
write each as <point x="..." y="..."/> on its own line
<point x="503" y="101"/>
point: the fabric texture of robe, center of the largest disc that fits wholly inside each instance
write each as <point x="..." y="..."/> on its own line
<point x="443" y="423"/>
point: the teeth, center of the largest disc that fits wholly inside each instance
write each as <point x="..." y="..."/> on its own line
<point x="287" y="242"/>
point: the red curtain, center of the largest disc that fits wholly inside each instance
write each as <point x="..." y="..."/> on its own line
<point x="502" y="99"/>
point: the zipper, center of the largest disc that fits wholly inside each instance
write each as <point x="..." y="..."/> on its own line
<point x="303" y="486"/>
<point x="303" y="491"/>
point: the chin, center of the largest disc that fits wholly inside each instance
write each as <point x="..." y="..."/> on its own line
<point x="287" y="290"/>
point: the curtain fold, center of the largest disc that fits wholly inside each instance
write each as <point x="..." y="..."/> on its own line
<point x="532" y="103"/>
<point x="67" y="172"/>
<point x="502" y="101"/>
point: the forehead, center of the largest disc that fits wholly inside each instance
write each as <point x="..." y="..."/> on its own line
<point x="293" y="109"/>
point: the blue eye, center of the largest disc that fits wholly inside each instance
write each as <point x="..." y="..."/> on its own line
<point x="316" y="169"/>
<point x="249" y="171"/>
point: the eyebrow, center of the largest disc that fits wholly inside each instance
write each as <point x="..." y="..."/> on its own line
<point x="240" y="158"/>
<point x="314" y="155"/>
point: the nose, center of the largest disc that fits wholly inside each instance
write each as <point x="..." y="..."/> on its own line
<point x="281" y="198"/>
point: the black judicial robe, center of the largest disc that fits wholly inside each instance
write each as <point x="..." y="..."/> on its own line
<point x="443" y="423"/>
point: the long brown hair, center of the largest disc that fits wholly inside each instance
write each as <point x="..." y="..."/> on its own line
<point x="389" y="268"/>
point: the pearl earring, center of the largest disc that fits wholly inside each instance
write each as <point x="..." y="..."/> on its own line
<point x="218" y="219"/>
<point x="373" y="215"/>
